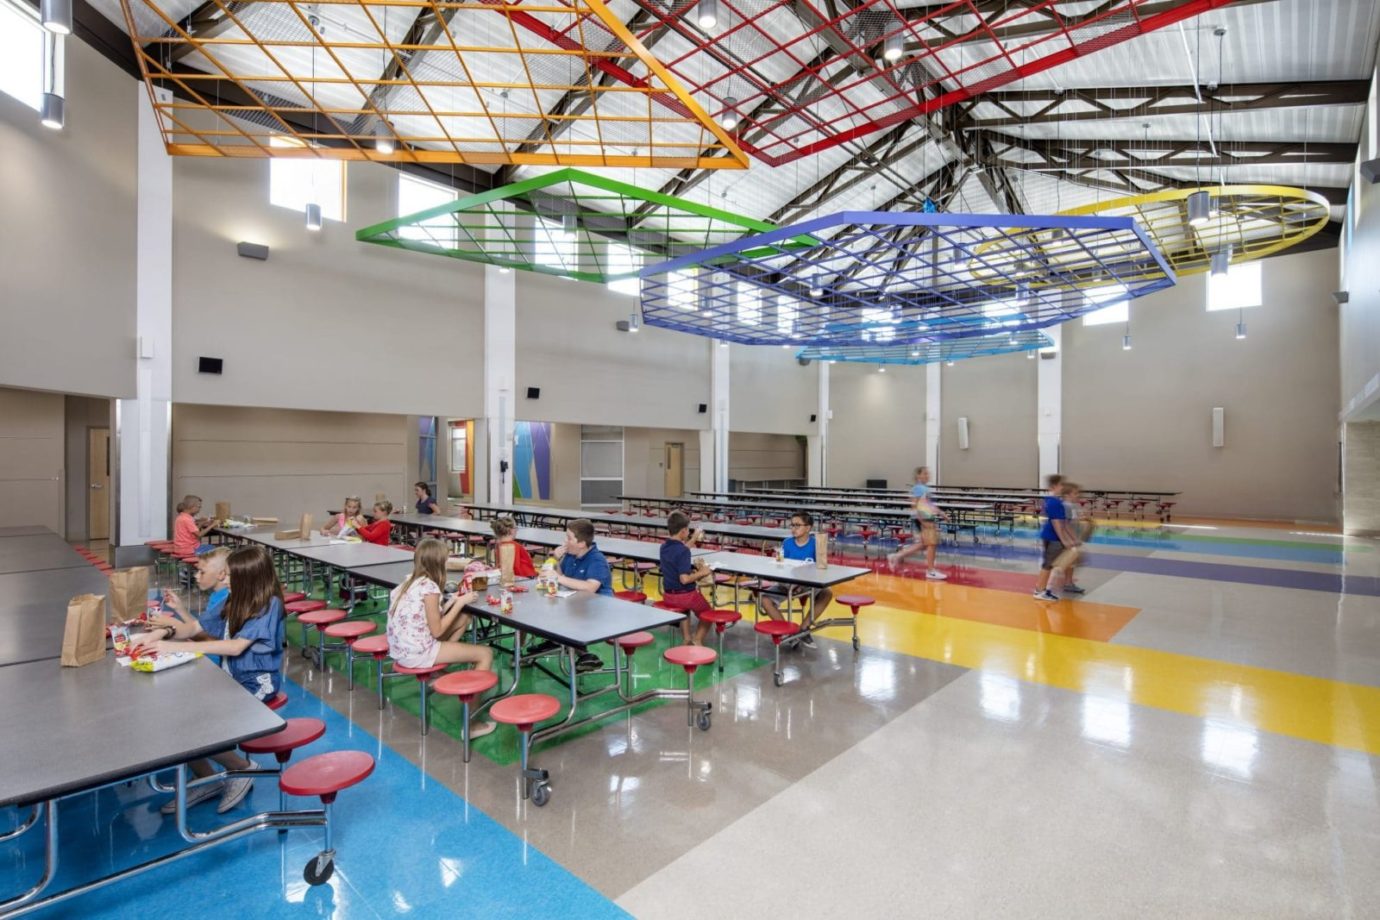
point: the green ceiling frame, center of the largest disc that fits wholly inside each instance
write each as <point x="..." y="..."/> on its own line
<point x="497" y="227"/>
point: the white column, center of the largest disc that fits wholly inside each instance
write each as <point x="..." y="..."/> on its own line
<point x="817" y="444"/>
<point x="500" y="381"/>
<point x="718" y="409"/>
<point x="933" y="406"/>
<point x="707" y="459"/>
<point x="1049" y="402"/>
<point x="144" y="424"/>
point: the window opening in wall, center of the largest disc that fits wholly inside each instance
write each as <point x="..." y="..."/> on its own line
<point x="623" y="259"/>
<point x="294" y="183"/>
<point x="1112" y="309"/>
<point x="601" y="466"/>
<point x="1237" y="289"/>
<point x="749" y="304"/>
<point x="21" y="53"/>
<point x="785" y="316"/>
<point x="426" y="455"/>
<point x="554" y="246"/>
<point x="419" y="195"/>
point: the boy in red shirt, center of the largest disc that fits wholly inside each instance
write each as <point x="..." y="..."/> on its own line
<point x="377" y="530"/>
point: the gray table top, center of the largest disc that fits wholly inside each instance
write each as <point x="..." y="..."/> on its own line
<point x="33" y="611"/>
<point x="264" y="536"/>
<point x="389" y="574"/>
<point x="24" y="530"/>
<point x="640" y="550"/>
<point x="349" y="555"/>
<point x="583" y="619"/>
<point x="748" y="503"/>
<point x="792" y="573"/>
<point x="36" y="558"/>
<point x="69" y="729"/>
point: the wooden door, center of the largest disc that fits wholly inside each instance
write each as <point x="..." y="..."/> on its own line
<point x="675" y="470"/>
<point x="98" y="480"/>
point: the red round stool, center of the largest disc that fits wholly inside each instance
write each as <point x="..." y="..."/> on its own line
<point x="306" y="605"/>
<point x="722" y="620"/>
<point x="778" y="630"/>
<point x="292" y="597"/>
<point x="297" y="733"/>
<point x="277" y="701"/>
<point x="636" y="597"/>
<point x="324" y="776"/>
<point x="467" y="686"/>
<point x="424" y="676"/>
<point x="377" y="646"/>
<point x="629" y="644"/>
<point x="853" y="602"/>
<point x="523" y="712"/>
<point x="319" y="619"/>
<point x="350" y="632"/>
<point x="691" y="657"/>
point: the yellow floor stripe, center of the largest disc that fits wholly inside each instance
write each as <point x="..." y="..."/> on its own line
<point x="1326" y="711"/>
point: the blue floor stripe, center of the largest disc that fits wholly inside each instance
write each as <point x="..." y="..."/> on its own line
<point x="405" y="845"/>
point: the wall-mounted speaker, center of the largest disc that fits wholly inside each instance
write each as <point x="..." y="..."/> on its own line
<point x="812" y="416"/>
<point x="963" y="432"/>
<point x="704" y="407"/>
<point x="1341" y="296"/>
<point x="1219" y="422"/>
<point x="252" y="251"/>
<point x="534" y="392"/>
<point x="803" y="362"/>
<point x="210" y="365"/>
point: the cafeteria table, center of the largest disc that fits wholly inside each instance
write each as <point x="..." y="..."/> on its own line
<point x="33" y="610"/>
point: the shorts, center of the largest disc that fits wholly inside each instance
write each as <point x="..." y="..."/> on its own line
<point x="928" y="531"/>
<point x="686" y="602"/>
<point x="1053" y="550"/>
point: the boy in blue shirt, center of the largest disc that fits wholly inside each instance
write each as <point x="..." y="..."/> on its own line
<point x="1055" y="537"/>
<point x="799" y="546"/>
<point x="681" y="576"/>
<point x="927" y="516"/>
<point x="583" y="568"/>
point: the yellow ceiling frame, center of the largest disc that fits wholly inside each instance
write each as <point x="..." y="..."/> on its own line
<point x="423" y="97"/>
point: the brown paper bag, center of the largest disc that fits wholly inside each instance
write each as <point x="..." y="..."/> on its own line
<point x="260" y="521"/>
<point x="821" y="550"/>
<point x="129" y="593"/>
<point x="287" y="535"/>
<point x="1067" y="558"/>
<point x="83" y="639"/>
<point x="222" y="511"/>
<point x="304" y="528"/>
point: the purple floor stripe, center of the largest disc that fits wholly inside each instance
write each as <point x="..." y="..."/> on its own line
<point x="1366" y="585"/>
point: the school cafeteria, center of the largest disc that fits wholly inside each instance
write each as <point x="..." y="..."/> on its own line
<point x="714" y="458"/>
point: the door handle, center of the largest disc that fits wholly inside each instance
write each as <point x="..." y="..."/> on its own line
<point x="97" y="485"/>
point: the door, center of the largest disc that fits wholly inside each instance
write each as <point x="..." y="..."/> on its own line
<point x="98" y="478"/>
<point x="675" y="470"/>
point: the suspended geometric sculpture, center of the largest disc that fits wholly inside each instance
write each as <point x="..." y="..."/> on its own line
<point x="805" y="76"/>
<point x="867" y="277"/>
<point x="1253" y="221"/>
<point x="562" y="223"/>
<point x="424" y="81"/>
<point x="975" y="346"/>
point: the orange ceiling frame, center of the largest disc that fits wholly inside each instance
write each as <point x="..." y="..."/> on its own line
<point x="445" y="92"/>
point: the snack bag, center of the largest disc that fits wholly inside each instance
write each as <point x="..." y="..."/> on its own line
<point x="474" y="572"/>
<point x="153" y="662"/>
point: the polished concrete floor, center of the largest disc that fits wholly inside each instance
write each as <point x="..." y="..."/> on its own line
<point x="1196" y="737"/>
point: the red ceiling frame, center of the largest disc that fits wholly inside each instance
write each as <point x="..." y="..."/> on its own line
<point x="953" y="50"/>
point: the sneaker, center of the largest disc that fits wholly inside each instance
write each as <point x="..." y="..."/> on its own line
<point x="235" y="791"/>
<point x="588" y="661"/>
<point x="194" y="797"/>
<point x="1046" y="595"/>
<point x="1074" y="589"/>
<point x="545" y="647"/>
<point x="893" y="560"/>
<point x="936" y="575"/>
<point x="807" y="640"/>
<point x="480" y="729"/>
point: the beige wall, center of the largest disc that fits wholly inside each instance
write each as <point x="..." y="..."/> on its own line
<point x="31" y="458"/>
<point x="997" y="396"/>
<point x="878" y="425"/>
<point x="769" y="392"/>
<point x="82" y="414"/>
<point x="592" y="374"/>
<point x="1361" y="471"/>
<point x="1141" y="419"/>
<point x="67" y="214"/>
<point x="1360" y="278"/>
<point x="327" y="322"/>
<point x="644" y="460"/>
<point x="753" y="456"/>
<point x="284" y="462"/>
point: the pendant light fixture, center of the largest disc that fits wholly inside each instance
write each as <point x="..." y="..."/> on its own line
<point x="1199" y="208"/>
<point x="56" y="16"/>
<point x="313" y="216"/>
<point x="1240" y="330"/>
<point x="52" y="111"/>
<point x="383" y="138"/>
<point x="730" y="119"/>
<point x="817" y="285"/>
<point x="893" y="47"/>
<point x="1126" y="342"/>
<point x="707" y="14"/>
<point x="634" y="322"/>
<point x="1221" y="262"/>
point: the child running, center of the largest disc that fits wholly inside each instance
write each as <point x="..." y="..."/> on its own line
<point x="1054" y="537"/>
<point x="422" y="631"/>
<point x="927" y="516"/>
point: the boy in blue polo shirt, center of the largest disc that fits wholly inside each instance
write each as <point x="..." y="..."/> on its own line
<point x="583" y="568"/>
<point x="799" y="547"/>
<point x="1055" y="537"/>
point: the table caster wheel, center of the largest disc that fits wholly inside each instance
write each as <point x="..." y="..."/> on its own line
<point x="703" y="721"/>
<point x="320" y="869"/>
<point x="776" y="679"/>
<point x="856" y="644"/>
<point x="541" y="794"/>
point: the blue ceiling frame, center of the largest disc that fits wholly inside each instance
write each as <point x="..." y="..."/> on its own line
<point x="974" y="346"/>
<point x="859" y="277"/>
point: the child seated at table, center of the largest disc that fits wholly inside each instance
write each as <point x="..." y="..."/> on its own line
<point x="213" y="577"/>
<point x="188" y="529"/>
<point x="422" y="631"/>
<point x="377" y="530"/>
<point x="246" y="631"/>
<point x="348" y="521"/>
<point x="510" y="556"/>
<point x="799" y="547"/>
<point x="682" y="575"/>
